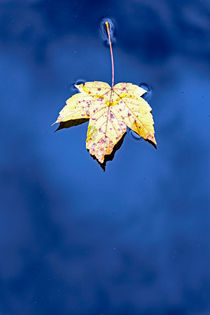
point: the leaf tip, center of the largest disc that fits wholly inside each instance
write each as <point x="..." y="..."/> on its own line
<point x="59" y="120"/>
<point x="79" y="86"/>
<point x="152" y="140"/>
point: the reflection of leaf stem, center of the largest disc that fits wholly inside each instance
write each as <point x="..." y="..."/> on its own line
<point x="110" y="46"/>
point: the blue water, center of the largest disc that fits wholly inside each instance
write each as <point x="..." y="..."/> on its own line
<point x="135" y="239"/>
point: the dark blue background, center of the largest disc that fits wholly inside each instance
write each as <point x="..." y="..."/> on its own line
<point x="135" y="239"/>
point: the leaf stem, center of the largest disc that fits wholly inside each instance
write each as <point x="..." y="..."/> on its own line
<point x="110" y="46"/>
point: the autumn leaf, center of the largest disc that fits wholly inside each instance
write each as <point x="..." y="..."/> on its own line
<point x="110" y="110"/>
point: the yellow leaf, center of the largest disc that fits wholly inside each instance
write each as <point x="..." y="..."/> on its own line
<point x="110" y="110"/>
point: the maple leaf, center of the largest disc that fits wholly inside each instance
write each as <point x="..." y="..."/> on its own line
<point x="110" y="110"/>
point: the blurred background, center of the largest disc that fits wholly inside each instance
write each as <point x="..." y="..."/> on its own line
<point x="75" y="240"/>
